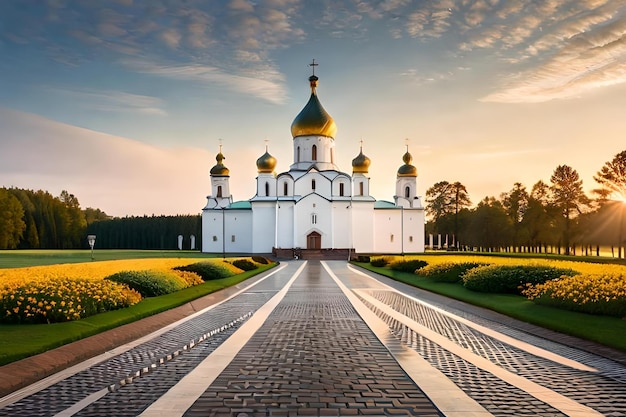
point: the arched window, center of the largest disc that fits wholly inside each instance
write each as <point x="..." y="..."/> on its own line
<point x="298" y="154"/>
<point x="360" y="188"/>
<point x="314" y="153"/>
<point x="219" y="191"/>
<point x="341" y="189"/>
<point x="407" y="192"/>
<point x="267" y="189"/>
<point x="285" y="188"/>
<point x="313" y="185"/>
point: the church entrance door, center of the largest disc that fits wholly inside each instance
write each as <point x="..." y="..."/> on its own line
<point x="314" y="241"/>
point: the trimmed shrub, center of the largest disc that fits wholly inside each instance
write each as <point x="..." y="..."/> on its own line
<point x="510" y="279"/>
<point x="379" y="262"/>
<point x="150" y="283"/>
<point x="211" y="270"/>
<point x="191" y="278"/>
<point x="447" y="271"/>
<point x="410" y="265"/>
<point x="363" y="258"/>
<point x="244" y="264"/>
<point x="260" y="260"/>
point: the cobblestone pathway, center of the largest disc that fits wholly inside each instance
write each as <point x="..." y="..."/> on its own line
<point x="315" y="355"/>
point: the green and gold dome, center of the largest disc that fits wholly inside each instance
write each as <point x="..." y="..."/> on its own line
<point x="266" y="163"/>
<point x="313" y="119"/>
<point x="220" y="170"/>
<point x="361" y="164"/>
<point x="407" y="170"/>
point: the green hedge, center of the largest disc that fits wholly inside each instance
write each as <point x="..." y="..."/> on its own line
<point x="509" y="279"/>
<point x="245" y="264"/>
<point x="150" y="283"/>
<point x="410" y="265"/>
<point x="448" y="271"/>
<point x="260" y="260"/>
<point x="211" y="270"/>
<point x="379" y="262"/>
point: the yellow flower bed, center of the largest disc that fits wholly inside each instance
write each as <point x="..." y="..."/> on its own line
<point x="72" y="291"/>
<point x="88" y="270"/>
<point x="597" y="289"/>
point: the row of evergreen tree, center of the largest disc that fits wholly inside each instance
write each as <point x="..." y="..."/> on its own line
<point x="38" y="220"/>
<point x="556" y="217"/>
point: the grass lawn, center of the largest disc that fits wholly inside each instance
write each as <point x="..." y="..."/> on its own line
<point x="606" y="330"/>
<point x="21" y="341"/>
<point x="23" y="258"/>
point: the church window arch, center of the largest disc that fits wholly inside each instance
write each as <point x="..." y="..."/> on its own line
<point x="361" y="188"/>
<point x="285" y="188"/>
<point x="314" y="153"/>
<point x="407" y="191"/>
<point x="298" y="154"/>
<point x="313" y="218"/>
<point x="219" y="191"/>
<point x="313" y="185"/>
<point x="267" y="189"/>
<point x="341" y="189"/>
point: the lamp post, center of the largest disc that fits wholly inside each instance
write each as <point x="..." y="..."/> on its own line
<point x="92" y="241"/>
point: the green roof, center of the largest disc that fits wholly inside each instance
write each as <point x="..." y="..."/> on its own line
<point x="382" y="204"/>
<point x="240" y="205"/>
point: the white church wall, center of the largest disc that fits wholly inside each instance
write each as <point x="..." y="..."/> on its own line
<point x="303" y="152"/>
<point x="305" y="184"/>
<point x="237" y="233"/>
<point x="212" y="231"/>
<point x="285" y="225"/>
<point x="266" y="185"/>
<point x="413" y="231"/>
<point x="341" y="225"/>
<point x="362" y="224"/>
<point x="263" y="227"/>
<point x="388" y="231"/>
<point x="313" y="213"/>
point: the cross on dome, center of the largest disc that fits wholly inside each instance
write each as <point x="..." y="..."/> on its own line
<point x="313" y="65"/>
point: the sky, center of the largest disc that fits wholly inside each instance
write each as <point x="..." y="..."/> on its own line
<point x="125" y="103"/>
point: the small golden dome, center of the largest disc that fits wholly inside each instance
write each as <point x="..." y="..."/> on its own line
<point x="219" y="170"/>
<point x="313" y="119"/>
<point x="361" y="164"/>
<point x="407" y="170"/>
<point x="266" y="163"/>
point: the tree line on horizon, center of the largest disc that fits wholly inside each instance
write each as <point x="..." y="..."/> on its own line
<point x="38" y="220"/>
<point x="557" y="217"/>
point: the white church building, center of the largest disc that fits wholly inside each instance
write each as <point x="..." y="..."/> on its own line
<point x="313" y="208"/>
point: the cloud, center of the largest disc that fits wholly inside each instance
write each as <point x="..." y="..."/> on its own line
<point x="171" y="37"/>
<point x="117" y="101"/>
<point x="118" y="175"/>
<point x="579" y="51"/>
<point x="586" y="62"/>
<point x="270" y="88"/>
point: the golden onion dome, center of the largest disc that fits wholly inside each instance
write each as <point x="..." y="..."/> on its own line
<point x="407" y="170"/>
<point x="266" y="163"/>
<point x="361" y="163"/>
<point x="220" y="170"/>
<point x="313" y="119"/>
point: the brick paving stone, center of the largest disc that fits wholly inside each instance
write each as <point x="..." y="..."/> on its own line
<point x="315" y="337"/>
